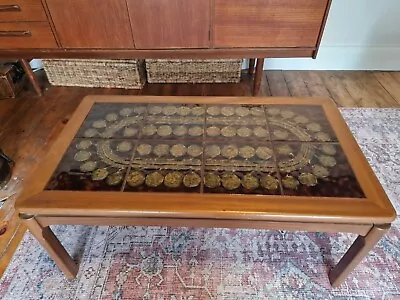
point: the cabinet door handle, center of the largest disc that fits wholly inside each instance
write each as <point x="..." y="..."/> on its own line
<point x="12" y="7"/>
<point x="23" y="33"/>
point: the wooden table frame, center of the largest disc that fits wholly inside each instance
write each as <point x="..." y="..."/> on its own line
<point x="368" y="217"/>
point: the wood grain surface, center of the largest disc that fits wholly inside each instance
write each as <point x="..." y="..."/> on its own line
<point x="158" y="24"/>
<point x="91" y="24"/>
<point x="20" y="35"/>
<point x="268" y="23"/>
<point x="21" y="10"/>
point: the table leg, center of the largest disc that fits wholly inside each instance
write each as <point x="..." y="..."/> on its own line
<point x="252" y="62"/>
<point x="52" y="245"/>
<point x="257" y="77"/>
<point x="31" y="76"/>
<point x="360" y="248"/>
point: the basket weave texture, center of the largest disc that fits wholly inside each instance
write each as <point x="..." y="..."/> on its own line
<point x="193" y="71"/>
<point x="127" y="74"/>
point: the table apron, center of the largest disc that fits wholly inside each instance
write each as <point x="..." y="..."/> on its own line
<point x="361" y="229"/>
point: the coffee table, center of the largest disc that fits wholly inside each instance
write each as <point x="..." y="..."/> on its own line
<point x="266" y="163"/>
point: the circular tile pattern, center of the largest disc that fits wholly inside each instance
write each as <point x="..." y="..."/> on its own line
<point x="83" y="145"/>
<point x="242" y="111"/>
<point x="327" y="161"/>
<point x="287" y="114"/>
<point x="198" y="111"/>
<point x="230" y="181"/>
<point x="301" y="120"/>
<point x="195" y="150"/>
<point x="161" y="150"/>
<point x="99" y="124"/>
<point x="88" y="166"/>
<point x="114" y="179"/>
<point x="178" y="150"/>
<point x="269" y="182"/>
<point x="257" y="111"/>
<point x="195" y="131"/>
<point x="99" y="174"/>
<point x="214" y="110"/>
<point x="126" y="112"/>
<point x="82" y="155"/>
<point x="244" y="132"/>
<point x="213" y="131"/>
<point x="135" y="179"/>
<point x="89" y="133"/>
<point x="111" y="117"/>
<point x="169" y="110"/>
<point x="143" y="149"/>
<point x="260" y="132"/>
<point x="124" y="146"/>
<point x="290" y="182"/>
<point x="183" y="111"/>
<point x="227" y="111"/>
<point x="212" y="180"/>
<point x="154" y="179"/>
<point x="164" y="130"/>
<point x="230" y="151"/>
<point x="320" y="171"/>
<point x="281" y="134"/>
<point x="322" y="137"/>
<point x="328" y="149"/>
<point x="173" y="179"/>
<point x="149" y="130"/>
<point x="180" y="130"/>
<point x="155" y="110"/>
<point x="129" y="132"/>
<point x="191" y="180"/>
<point x="308" y="179"/>
<point x="249" y="182"/>
<point x="247" y="152"/>
<point x="228" y="131"/>
<point x="314" y="127"/>
<point x="264" y="152"/>
<point x="212" y="151"/>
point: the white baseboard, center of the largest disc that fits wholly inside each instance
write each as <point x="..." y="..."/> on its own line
<point x="342" y="58"/>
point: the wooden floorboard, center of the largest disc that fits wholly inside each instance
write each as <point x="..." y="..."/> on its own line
<point x="30" y="125"/>
<point x="389" y="83"/>
<point x="277" y="84"/>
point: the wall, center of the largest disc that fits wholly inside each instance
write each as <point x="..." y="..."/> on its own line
<point x="359" y="34"/>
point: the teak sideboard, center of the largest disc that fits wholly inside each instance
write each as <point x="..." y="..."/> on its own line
<point x="117" y="29"/>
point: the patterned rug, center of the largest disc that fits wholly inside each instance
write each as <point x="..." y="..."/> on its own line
<point x="163" y="263"/>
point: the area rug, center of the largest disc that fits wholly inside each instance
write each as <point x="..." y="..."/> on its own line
<point x="163" y="263"/>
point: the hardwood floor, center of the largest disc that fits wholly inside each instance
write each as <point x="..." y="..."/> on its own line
<point x="30" y="124"/>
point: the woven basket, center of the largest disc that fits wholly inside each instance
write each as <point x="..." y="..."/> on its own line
<point x="193" y="71"/>
<point x="126" y="74"/>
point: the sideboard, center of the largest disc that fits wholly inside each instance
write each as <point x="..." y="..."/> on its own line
<point x="202" y="29"/>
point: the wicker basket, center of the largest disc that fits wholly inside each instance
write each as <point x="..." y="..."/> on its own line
<point x="193" y="71"/>
<point x="127" y="74"/>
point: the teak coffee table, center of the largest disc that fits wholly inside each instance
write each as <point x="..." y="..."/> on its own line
<point x="267" y="163"/>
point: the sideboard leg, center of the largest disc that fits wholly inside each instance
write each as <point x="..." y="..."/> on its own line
<point x="257" y="77"/>
<point x="357" y="251"/>
<point x="53" y="246"/>
<point x="252" y="62"/>
<point x="31" y="76"/>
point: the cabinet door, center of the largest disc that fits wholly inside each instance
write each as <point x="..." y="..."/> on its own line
<point x="268" y="23"/>
<point x="170" y="23"/>
<point x="91" y="23"/>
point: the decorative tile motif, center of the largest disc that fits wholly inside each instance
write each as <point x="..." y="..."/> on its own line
<point x="236" y="149"/>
